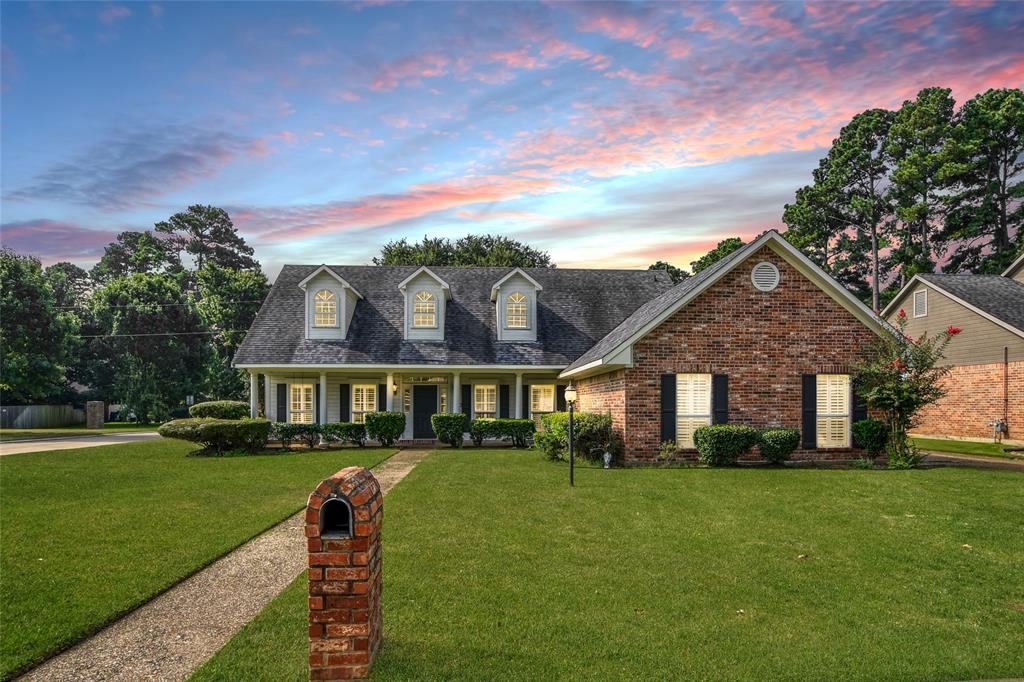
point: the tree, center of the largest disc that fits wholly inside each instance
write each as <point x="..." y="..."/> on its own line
<point x="723" y="249"/>
<point x="34" y="337"/>
<point x="69" y="284"/>
<point x="815" y="219"/>
<point x="471" y="250"/>
<point x="985" y="173"/>
<point x="677" y="275"/>
<point x="133" y="252"/>
<point x="207" y="234"/>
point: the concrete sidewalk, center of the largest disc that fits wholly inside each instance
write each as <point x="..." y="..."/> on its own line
<point x="71" y="442"/>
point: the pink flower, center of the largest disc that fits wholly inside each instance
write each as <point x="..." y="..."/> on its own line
<point x="953" y="331"/>
<point x="902" y="314"/>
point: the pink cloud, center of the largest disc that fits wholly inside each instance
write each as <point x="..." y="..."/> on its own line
<point x="113" y="13"/>
<point x="55" y="240"/>
<point x="411" y="69"/>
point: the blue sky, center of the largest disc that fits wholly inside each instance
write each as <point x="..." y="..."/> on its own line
<point x="608" y="134"/>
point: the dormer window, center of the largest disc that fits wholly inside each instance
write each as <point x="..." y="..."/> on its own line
<point x="326" y="309"/>
<point x="424" y="311"/>
<point x="517" y="311"/>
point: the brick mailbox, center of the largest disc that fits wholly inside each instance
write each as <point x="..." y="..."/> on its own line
<point x="343" y="519"/>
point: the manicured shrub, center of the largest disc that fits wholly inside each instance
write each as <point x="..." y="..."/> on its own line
<point x="220" y="435"/>
<point x="592" y="434"/>
<point x="519" y="432"/>
<point x="345" y="432"/>
<point x="722" y="444"/>
<point x="308" y="434"/>
<point x="385" y="427"/>
<point x="871" y="434"/>
<point x="549" y="444"/>
<point x="479" y="429"/>
<point x="220" y="409"/>
<point x="449" y="427"/>
<point x="778" y="444"/>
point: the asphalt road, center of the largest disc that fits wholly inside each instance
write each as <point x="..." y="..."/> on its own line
<point x="68" y="443"/>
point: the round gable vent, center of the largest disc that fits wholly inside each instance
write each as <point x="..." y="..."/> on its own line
<point x="765" y="276"/>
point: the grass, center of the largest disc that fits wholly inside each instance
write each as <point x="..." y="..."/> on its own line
<point x="964" y="447"/>
<point x="495" y="569"/>
<point x="8" y="435"/>
<point x="91" y="534"/>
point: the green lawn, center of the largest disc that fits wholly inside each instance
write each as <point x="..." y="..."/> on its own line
<point x="964" y="447"/>
<point x="90" y="534"/>
<point x="7" y="435"/>
<point x="495" y="569"/>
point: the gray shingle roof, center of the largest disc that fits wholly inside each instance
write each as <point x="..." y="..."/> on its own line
<point x="575" y="310"/>
<point x="1000" y="297"/>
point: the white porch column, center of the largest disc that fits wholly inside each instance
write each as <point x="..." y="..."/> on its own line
<point x="389" y="392"/>
<point x="254" y="394"/>
<point x="519" y="395"/>
<point x="323" y="397"/>
<point x="266" y="397"/>
<point x="456" y="392"/>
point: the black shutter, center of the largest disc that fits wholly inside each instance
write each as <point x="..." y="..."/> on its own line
<point x="526" y="402"/>
<point x="810" y="411"/>
<point x="345" y="414"/>
<point x="560" y="398"/>
<point x="467" y="399"/>
<point x="282" y="402"/>
<point x="503" y="401"/>
<point x="859" y="411"/>
<point x="668" y="407"/>
<point x="316" y="402"/>
<point x="720" y="399"/>
<point x="382" y="398"/>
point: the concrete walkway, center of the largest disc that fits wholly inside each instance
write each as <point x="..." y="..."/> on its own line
<point x="71" y="442"/>
<point x="169" y="637"/>
<point x="955" y="459"/>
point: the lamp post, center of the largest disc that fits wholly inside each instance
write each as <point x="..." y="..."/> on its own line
<point x="570" y="400"/>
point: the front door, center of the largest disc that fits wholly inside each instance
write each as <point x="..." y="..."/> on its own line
<point x="424" y="406"/>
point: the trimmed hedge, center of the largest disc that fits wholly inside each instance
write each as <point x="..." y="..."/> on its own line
<point x="871" y="434"/>
<point x="220" y="409"/>
<point x="777" y="445"/>
<point x="385" y="427"/>
<point x="518" y="431"/>
<point x="449" y="427"/>
<point x="592" y="435"/>
<point x="309" y="434"/>
<point x="723" y="444"/>
<point x="220" y="435"/>
<point x="345" y="432"/>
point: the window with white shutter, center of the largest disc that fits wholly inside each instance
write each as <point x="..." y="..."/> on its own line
<point x="485" y="401"/>
<point x="693" y="406"/>
<point x="301" y="404"/>
<point x="364" y="399"/>
<point x="833" y="413"/>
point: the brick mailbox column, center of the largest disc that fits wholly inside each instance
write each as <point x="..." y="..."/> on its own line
<point x="343" y="519"/>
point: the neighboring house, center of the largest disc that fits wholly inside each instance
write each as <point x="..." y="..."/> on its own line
<point x="763" y="337"/>
<point x="986" y="383"/>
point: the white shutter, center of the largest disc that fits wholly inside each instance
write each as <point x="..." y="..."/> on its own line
<point x="833" y="420"/>
<point x="693" y="406"/>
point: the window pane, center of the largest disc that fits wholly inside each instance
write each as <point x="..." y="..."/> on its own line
<point x="301" y="404"/>
<point x="364" y="399"/>
<point x="424" y="310"/>
<point x="833" y="422"/>
<point x="325" y="309"/>
<point x="542" y="398"/>
<point x="516" y="311"/>
<point x="485" y="401"/>
<point x="693" y="406"/>
<point x="685" y="426"/>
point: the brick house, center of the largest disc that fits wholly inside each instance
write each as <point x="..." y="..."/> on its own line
<point x="986" y="383"/>
<point x="763" y="337"/>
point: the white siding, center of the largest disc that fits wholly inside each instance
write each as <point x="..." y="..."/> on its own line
<point x="345" y="309"/>
<point x="524" y="286"/>
<point x="424" y="282"/>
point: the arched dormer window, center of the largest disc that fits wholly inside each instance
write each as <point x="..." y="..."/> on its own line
<point x="424" y="310"/>
<point x="517" y="313"/>
<point x="326" y="309"/>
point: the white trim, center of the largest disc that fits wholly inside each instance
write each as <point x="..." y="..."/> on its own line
<point x="787" y="251"/>
<point x="423" y="268"/>
<point x="517" y="271"/>
<point x="332" y="273"/>
<point x="402" y="368"/>
<point x="1018" y="263"/>
<point x="991" y="318"/>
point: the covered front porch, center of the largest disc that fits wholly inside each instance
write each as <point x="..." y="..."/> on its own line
<point x="323" y="395"/>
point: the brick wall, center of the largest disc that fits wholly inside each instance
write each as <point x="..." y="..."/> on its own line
<point x="974" y="398"/>
<point x="345" y="580"/>
<point x="605" y="393"/>
<point x="764" y="341"/>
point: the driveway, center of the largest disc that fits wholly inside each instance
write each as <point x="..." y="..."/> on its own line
<point x="68" y="443"/>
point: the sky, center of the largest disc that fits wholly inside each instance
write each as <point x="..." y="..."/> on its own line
<point x="608" y="134"/>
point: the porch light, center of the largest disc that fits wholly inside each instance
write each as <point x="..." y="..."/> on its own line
<point x="570" y="394"/>
<point x="394" y="389"/>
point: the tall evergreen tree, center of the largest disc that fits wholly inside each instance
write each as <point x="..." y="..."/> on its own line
<point x="207" y="234"/>
<point x="133" y="252"/>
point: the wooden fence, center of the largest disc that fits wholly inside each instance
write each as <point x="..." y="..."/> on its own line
<point x="39" y="416"/>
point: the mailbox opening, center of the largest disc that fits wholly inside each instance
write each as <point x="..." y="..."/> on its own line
<point x="336" y="518"/>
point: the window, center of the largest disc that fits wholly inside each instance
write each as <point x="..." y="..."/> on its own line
<point x="301" y="407"/>
<point x="485" y="401"/>
<point x="516" y="311"/>
<point x="921" y="303"/>
<point x="364" y="399"/>
<point x="833" y="410"/>
<point x="542" y="399"/>
<point x="325" y="310"/>
<point x="424" y="310"/>
<point x="693" y="406"/>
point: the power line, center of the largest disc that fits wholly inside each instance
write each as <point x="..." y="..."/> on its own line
<point x="142" y="305"/>
<point x="114" y="336"/>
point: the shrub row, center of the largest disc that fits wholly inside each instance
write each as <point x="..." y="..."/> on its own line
<point x="592" y="436"/>
<point x="220" y="435"/>
<point x="220" y="409"/>
<point x="384" y="427"/>
<point x="517" y="431"/>
<point x="449" y="427"/>
<point x="723" y="444"/>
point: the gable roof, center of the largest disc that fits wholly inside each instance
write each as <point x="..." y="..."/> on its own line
<point x="656" y="311"/>
<point x="332" y="273"/>
<point x="1015" y="267"/>
<point x="517" y="271"/>
<point x="997" y="298"/>
<point x="445" y="287"/>
<point x="577" y="308"/>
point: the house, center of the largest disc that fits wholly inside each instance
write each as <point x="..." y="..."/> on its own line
<point x="763" y="337"/>
<point x="986" y="383"/>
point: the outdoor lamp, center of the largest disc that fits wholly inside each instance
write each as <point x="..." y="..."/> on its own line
<point x="570" y="394"/>
<point x="570" y="400"/>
